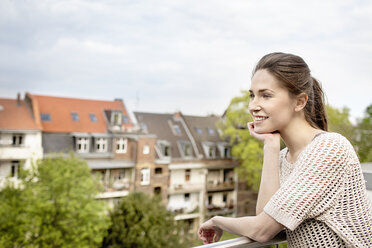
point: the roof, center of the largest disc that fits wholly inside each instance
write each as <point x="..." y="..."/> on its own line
<point x="160" y="125"/>
<point x="61" y="109"/>
<point x="203" y="129"/>
<point x="15" y="115"/>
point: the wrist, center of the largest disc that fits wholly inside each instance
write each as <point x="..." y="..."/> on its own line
<point x="271" y="146"/>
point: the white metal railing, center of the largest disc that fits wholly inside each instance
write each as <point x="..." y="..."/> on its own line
<point x="244" y="242"/>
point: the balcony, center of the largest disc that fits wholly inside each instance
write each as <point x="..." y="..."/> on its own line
<point x="220" y="210"/>
<point x="213" y="186"/>
<point x="184" y="188"/>
<point x="244" y="242"/>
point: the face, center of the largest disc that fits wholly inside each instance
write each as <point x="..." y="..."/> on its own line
<point x="270" y="105"/>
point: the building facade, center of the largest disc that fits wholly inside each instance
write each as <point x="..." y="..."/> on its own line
<point x="20" y="138"/>
<point x="202" y="181"/>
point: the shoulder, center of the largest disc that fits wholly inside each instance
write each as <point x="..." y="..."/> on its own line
<point x="333" y="144"/>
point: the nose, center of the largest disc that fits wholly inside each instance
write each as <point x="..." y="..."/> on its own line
<point x="254" y="106"/>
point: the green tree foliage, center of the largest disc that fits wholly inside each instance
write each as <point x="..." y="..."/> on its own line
<point x="339" y="122"/>
<point x="52" y="205"/>
<point x="139" y="220"/>
<point x="247" y="150"/>
<point x="363" y="137"/>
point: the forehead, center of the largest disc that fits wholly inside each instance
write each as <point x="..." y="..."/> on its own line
<point x="262" y="79"/>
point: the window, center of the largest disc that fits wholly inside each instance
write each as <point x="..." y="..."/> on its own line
<point x="210" y="131"/>
<point x="224" y="198"/>
<point x="82" y="144"/>
<point x="187" y="197"/>
<point x="145" y="176"/>
<point x="144" y="127"/>
<point x="198" y="130"/>
<point x="101" y="144"/>
<point x="45" y="117"/>
<point x="210" y="199"/>
<point x="125" y="119"/>
<point x="210" y="149"/>
<point x="120" y="174"/>
<point x="93" y="117"/>
<point x="157" y="190"/>
<point x="211" y="152"/>
<point x="164" y="148"/>
<point x="158" y="171"/>
<point x="185" y="148"/>
<point x="175" y="128"/>
<point x="75" y="116"/>
<point x="187" y="175"/>
<point x="116" y="118"/>
<point x="14" y="170"/>
<point x="146" y="149"/>
<point x="17" y="139"/>
<point x="121" y="145"/>
<point x="224" y="150"/>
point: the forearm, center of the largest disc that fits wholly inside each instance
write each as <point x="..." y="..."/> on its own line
<point x="269" y="177"/>
<point x="260" y="228"/>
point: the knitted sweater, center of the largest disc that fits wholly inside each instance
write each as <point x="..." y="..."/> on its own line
<point x="322" y="200"/>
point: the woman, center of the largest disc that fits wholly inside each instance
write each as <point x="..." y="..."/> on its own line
<point x="313" y="188"/>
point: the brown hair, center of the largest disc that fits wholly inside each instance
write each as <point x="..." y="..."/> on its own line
<point x="294" y="74"/>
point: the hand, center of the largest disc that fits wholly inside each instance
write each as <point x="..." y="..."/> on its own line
<point x="209" y="233"/>
<point x="267" y="138"/>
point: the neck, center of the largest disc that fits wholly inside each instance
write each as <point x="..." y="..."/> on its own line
<point x="297" y="135"/>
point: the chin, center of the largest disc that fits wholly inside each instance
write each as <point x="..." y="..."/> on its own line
<point x="261" y="130"/>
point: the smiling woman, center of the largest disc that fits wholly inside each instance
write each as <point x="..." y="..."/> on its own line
<point x="313" y="188"/>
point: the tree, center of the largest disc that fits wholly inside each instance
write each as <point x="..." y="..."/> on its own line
<point x="247" y="150"/>
<point x="364" y="136"/>
<point x="139" y="220"/>
<point x="339" y="122"/>
<point x="52" y="205"/>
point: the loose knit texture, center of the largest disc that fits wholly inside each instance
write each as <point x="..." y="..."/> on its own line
<point x="322" y="200"/>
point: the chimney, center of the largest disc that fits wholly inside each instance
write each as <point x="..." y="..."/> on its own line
<point x="18" y="99"/>
<point x="177" y="115"/>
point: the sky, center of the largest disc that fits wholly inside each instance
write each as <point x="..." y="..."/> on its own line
<point x="180" y="55"/>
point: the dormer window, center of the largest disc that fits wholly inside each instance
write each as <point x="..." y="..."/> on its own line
<point x="224" y="150"/>
<point x="45" y="117"/>
<point x="101" y="144"/>
<point x="75" y="116"/>
<point x="116" y="118"/>
<point x="210" y="149"/>
<point x="82" y="145"/>
<point x="185" y="149"/>
<point x="164" y="148"/>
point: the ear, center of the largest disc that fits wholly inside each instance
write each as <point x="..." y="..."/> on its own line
<point x="301" y="102"/>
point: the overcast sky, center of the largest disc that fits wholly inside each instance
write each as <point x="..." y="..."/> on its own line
<point x="186" y="55"/>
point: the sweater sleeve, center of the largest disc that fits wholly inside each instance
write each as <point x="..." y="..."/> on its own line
<point x="314" y="184"/>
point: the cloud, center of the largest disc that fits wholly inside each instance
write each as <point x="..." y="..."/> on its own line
<point x="190" y="55"/>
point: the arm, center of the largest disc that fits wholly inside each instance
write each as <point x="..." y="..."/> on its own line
<point x="260" y="228"/>
<point x="270" y="169"/>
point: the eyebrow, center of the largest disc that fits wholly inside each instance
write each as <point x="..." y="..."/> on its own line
<point x="262" y="90"/>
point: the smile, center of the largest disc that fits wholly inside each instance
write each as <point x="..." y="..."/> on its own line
<point x="260" y="118"/>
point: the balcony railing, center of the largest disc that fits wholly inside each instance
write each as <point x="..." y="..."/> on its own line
<point x="220" y="186"/>
<point x="244" y="242"/>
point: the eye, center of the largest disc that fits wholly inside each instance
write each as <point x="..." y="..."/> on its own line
<point x="251" y="95"/>
<point x="266" y="95"/>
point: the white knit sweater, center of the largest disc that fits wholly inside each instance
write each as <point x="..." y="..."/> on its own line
<point x="322" y="199"/>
